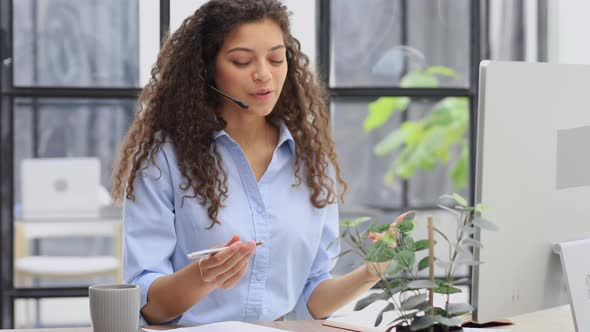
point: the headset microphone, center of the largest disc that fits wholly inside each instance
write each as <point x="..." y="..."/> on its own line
<point x="239" y="102"/>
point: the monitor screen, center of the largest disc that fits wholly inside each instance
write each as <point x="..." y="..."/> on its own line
<point x="533" y="171"/>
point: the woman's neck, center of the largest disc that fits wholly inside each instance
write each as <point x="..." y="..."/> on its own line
<point x="250" y="132"/>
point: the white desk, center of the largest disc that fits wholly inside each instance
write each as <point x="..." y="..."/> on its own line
<point x="551" y="320"/>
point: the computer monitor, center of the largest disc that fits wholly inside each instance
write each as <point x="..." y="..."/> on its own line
<point x="60" y="188"/>
<point x="533" y="171"/>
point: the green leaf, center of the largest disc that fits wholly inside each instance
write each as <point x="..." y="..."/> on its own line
<point x="391" y="142"/>
<point x="379" y="228"/>
<point x="462" y="201"/>
<point x="379" y="318"/>
<point x="413" y="301"/>
<point x="381" y="110"/>
<point x="406" y="259"/>
<point x="421" y="284"/>
<point x="421" y="245"/>
<point x="366" y="301"/>
<point x="355" y="222"/>
<point x="455" y="321"/>
<point x="380" y="252"/>
<point x="485" y="224"/>
<point x="461" y="281"/>
<point x="456" y="309"/>
<point x="418" y="79"/>
<point x="448" y="203"/>
<point x="440" y="70"/>
<point x="471" y="242"/>
<point x="388" y="238"/>
<point x="423" y="322"/>
<point x="396" y="282"/>
<point x="409" y="244"/>
<point x="468" y="230"/>
<point x="445" y="288"/>
<point x="459" y="173"/>
<point x="397" y="285"/>
<point x="394" y="269"/>
<point x="423" y="263"/>
<point x="443" y="263"/>
<point x="426" y="321"/>
<point x="481" y="208"/>
<point x="406" y="226"/>
<point x="409" y="216"/>
<point x="343" y="253"/>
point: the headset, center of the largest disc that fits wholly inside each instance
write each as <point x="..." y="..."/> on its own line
<point x="211" y="83"/>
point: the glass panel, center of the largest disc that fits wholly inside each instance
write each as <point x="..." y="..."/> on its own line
<point x="82" y="43"/>
<point x="64" y="153"/>
<point x="369" y="192"/>
<point x="181" y="9"/>
<point x="363" y="172"/>
<point x="302" y="21"/>
<point x="51" y="312"/>
<point x="368" y="43"/>
<point x="426" y="186"/>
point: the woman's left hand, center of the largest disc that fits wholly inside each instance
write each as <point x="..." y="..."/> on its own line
<point x="375" y="270"/>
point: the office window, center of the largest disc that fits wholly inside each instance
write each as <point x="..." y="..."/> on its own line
<point x="59" y="132"/>
<point x="86" y="43"/>
<point x="303" y="25"/>
<point x="54" y="312"/>
<point x="375" y="43"/>
<point x="420" y="53"/>
<point x="70" y="78"/>
<point x="64" y="128"/>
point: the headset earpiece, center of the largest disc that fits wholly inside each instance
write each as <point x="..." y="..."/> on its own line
<point x="209" y="77"/>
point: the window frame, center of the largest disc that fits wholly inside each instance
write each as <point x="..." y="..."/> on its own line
<point x="477" y="37"/>
<point x="479" y="50"/>
<point x="8" y="93"/>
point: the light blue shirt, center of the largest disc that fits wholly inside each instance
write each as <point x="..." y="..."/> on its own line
<point x="296" y="256"/>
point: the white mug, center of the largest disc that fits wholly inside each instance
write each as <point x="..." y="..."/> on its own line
<point x="114" y="307"/>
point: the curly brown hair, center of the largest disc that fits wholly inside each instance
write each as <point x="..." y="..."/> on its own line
<point x="177" y="106"/>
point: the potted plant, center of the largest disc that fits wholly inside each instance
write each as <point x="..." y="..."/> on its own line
<point x="404" y="291"/>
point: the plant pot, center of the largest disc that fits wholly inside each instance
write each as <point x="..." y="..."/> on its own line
<point x="435" y="328"/>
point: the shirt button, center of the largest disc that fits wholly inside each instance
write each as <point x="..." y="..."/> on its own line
<point x="259" y="210"/>
<point x="259" y="277"/>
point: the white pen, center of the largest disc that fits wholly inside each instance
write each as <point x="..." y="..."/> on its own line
<point x="197" y="254"/>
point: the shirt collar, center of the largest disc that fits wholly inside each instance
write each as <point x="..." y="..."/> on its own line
<point x="284" y="136"/>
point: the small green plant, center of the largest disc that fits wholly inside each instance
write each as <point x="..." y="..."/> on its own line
<point x="425" y="143"/>
<point x="404" y="291"/>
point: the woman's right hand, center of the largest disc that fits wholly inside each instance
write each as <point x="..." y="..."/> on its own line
<point x="225" y="268"/>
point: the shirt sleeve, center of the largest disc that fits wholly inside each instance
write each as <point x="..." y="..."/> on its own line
<point x="149" y="236"/>
<point x="323" y="263"/>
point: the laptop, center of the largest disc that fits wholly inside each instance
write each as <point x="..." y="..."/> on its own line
<point x="58" y="188"/>
<point x="576" y="267"/>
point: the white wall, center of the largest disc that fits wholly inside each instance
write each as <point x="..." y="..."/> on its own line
<point x="568" y="26"/>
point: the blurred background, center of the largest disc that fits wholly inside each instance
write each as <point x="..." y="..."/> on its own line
<point x="402" y="76"/>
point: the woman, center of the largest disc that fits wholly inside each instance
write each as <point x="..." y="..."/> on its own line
<point x="197" y="168"/>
